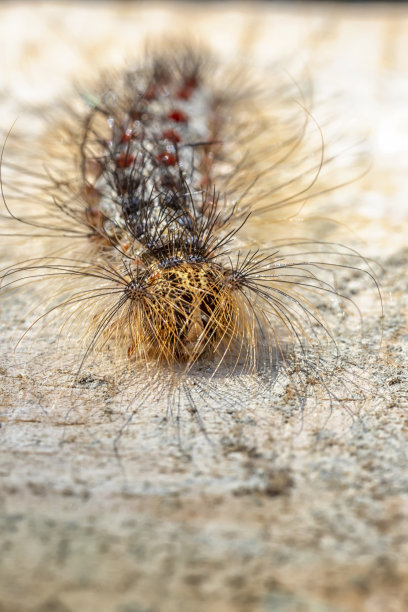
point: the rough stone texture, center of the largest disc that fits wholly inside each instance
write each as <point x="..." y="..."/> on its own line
<point x="105" y="504"/>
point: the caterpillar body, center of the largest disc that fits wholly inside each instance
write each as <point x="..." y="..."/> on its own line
<point x="152" y="186"/>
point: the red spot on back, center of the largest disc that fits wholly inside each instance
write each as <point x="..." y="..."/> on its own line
<point x="186" y="90"/>
<point x="166" y="158"/>
<point x="178" y="116"/>
<point x="127" y="135"/>
<point x="124" y="160"/>
<point x="171" y="135"/>
<point x="185" y="93"/>
<point x="151" y="92"/>
<point x="191" y="81"/>
<point x="136" y="115"/>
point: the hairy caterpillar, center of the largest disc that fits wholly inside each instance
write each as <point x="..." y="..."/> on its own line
<point x="147" y="202"/>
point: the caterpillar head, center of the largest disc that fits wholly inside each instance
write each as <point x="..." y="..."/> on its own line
<point x="181" y="310"/>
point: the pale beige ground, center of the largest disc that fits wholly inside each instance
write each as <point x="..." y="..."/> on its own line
<point x="273" y="510"/>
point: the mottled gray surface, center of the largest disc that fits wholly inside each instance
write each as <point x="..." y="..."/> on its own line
<point x="272" y="513"/>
